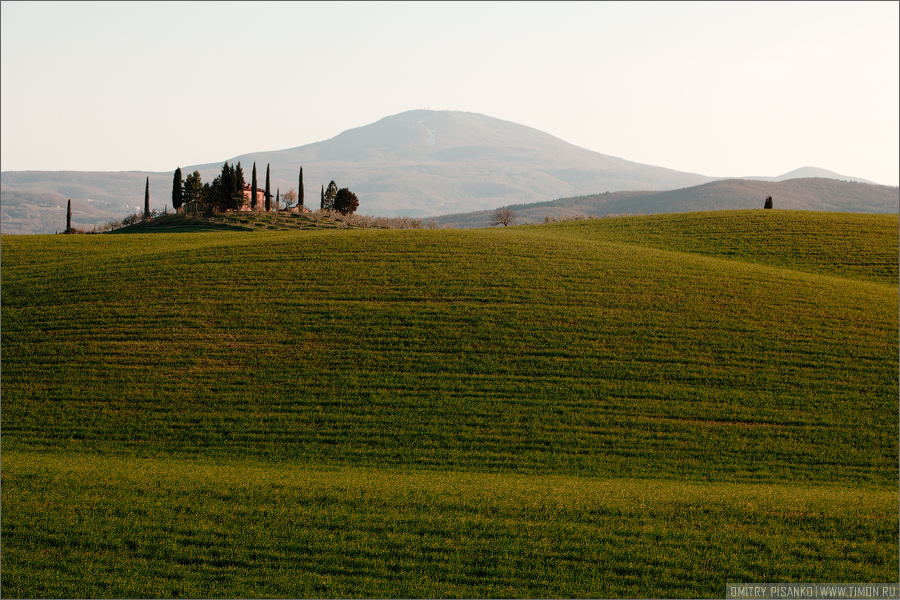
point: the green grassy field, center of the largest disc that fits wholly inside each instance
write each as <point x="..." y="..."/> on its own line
<point x="646" y="406"/>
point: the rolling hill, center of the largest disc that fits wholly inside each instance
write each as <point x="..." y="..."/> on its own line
<point x="727" y="194"/>
<point x="634" y="407"/>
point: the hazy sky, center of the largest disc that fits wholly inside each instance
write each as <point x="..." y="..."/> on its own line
<point x="721" y="89"/>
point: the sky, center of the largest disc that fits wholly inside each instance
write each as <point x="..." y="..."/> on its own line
<point x="721" y="89"/>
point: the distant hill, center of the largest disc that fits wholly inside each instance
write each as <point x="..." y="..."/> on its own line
<point x="34" y="202"/>
<point x="812" y="172"/>
<point x="419" y="163"/>
<point x="30" y="211"/>
<point x="728" y="194"/>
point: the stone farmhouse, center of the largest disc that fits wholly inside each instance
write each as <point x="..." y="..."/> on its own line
<point x="260" y="198"/>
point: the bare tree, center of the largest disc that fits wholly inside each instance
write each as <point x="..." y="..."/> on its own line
<point x="503" y="216"/>
<point x="289" y="197"/>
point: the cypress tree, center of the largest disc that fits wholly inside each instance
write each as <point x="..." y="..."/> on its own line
<point x="330" y="193"/>
<point x="69" y="217"/>
<point x="322" y="205"/>
<point x="226" y="185"/>
<point x="238" y="189"/>
<point x="147" y="200"/>
<point x="177" y="194"/>
<point x="277" y="199"/>
<point x="253" y="189"/>
<point x="300" y="192"/>
<point x="268" y="191"/>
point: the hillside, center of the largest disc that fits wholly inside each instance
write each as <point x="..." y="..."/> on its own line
<point x="814" y="194"/>
<point x="555" y="410"/>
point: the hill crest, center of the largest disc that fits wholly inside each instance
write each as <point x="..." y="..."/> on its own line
<point x="809" y="193"/>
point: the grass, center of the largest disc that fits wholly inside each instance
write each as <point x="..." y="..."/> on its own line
<point x="532" y="411"/>
<point x="117" y="527"/>
<point x="861" y="246"/>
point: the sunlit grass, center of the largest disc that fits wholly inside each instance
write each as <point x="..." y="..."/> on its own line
<point x="167" y="527"/>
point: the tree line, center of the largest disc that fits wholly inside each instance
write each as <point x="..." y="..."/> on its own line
<point x="226" y="192"/>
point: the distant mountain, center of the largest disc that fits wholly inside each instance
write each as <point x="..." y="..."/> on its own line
<point x="803" y="172"/>
<point x="418" y="163"/>
<point x="426" y="162"/>
<point x="728" y="194"/>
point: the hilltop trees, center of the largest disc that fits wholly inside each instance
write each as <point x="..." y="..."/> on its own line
<point x="228" y="187"/>
<point x="226" y="190"/>
<point x="345" y="201"/>
<point x="768" y="203"/>
<point x="177" y="195"/>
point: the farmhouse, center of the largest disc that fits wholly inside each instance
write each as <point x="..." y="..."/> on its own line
<point x="260" y="198"/>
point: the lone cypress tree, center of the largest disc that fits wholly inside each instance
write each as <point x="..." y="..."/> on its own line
<point x="300" y="192"/>
<point x="268" y="191"/>
<point x="277" y="199"/>
<point x="253" y="189"/>
<point x="147" y="200"/>
<point x="177" y="194"/>
<point x="69" y="217"/>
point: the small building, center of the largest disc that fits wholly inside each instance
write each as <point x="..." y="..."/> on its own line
<point x="260" y="198"/>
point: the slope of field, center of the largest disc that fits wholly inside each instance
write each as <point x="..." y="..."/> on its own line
<point x="609" y="408"/>
<point x="861" y="246"/>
